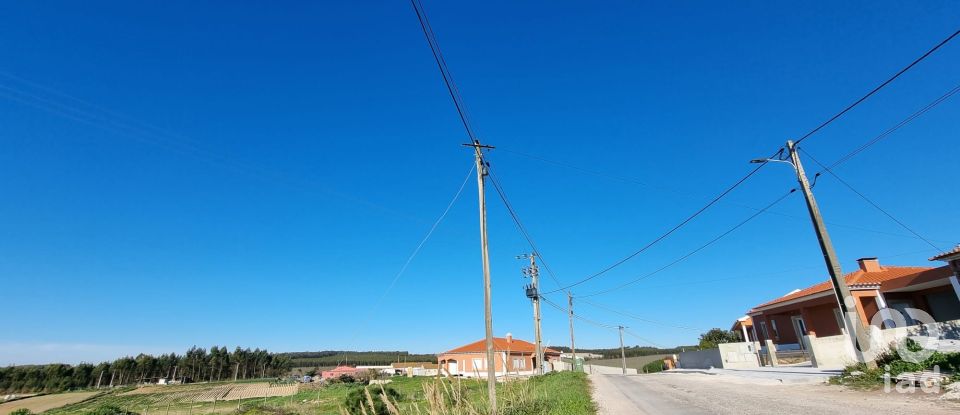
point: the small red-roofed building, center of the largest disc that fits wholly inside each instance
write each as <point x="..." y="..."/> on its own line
<point x="512" y="357"/>
<point x="339" y="371"/>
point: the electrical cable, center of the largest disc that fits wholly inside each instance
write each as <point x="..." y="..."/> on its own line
<point x="878" y="88"/>
<point x="867" y="199"/>
<point x="666" y="234"/>
<point x="519" y="224"/>
<point x="691" y="253"/>
<point x="413" y="254"/>
<point x="896" y="127"/>
<point x="442" y="65"/>
<point x="638" y="318"/>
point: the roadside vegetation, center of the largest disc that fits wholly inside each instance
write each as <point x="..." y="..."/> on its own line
<point x="861" y="377"/>
<point x="652" y="367"/>
<point x="714" y="337"/>
<point x="559" y="393"/>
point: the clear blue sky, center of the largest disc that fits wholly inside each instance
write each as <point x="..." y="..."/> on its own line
<point x="248" y="174"/>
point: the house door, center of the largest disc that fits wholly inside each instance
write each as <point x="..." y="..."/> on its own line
<point x="452" y="367"/>
<point x="800" y="329"/>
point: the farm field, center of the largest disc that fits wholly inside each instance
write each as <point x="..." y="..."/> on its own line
<point x="45" y="402"/>
<point x="411" y="397"/>
<point x="185" y="399"/>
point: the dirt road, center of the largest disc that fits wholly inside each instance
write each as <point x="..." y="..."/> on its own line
<point x="705" y="394"/>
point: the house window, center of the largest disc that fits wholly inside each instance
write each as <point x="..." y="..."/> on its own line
<point x="773" y="324"/>
<point x="763" y="330"/>
<point x="519" y="363"/>
<point x="478" y="364"/>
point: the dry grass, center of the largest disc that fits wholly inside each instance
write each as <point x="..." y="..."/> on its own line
<point x="43" y="403"/>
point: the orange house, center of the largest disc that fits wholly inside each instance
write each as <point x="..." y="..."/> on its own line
<point x="513" y="356"/>
<point x="814" y="310"/>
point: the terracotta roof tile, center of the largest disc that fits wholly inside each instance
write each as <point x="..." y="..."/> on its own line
<point x="500" y="344"/>
<point x="943" y="255"/>
<point x="889" y="277"/>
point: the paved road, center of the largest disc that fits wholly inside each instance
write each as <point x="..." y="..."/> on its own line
<point x="705" y="394"/>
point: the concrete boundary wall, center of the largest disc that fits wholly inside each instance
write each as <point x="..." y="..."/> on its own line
<point x="702" y="359"/>
<point x="739" y="355"/>
<point x="607" y="370"/>
<point x="830" y="351"/>
<point x="837" y="351"/>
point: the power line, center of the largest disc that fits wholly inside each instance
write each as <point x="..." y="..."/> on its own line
<point x="91" y="114"/>
<point x="519" y="224"/>
<point x="659" y="346"/>
<point x="691" y="253"/>
<point x="638" y="318"/>
<point x="896" y="127"/>
<point x="633" y="180"/>
<point x="666" y="234"/>
<point x="870" y="202"/>
<point x="587" y="320"/>
<point x="442" y="65"/>
<point x="878" y="88"/>
<point x="413" y="254"/>
<point x="596" y="323"/>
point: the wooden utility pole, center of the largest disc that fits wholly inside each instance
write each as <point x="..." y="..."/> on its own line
<point x="533" y="293"/>
<point x="623" y="355"/>
<point x="851" y="316"/>
<point x="487" y="308"/>
<point x="573" y="345"/>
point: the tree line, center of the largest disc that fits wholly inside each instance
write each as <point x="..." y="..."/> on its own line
<point x="334" y="357"/>
<point x="629" y="351"/>
<point x="196" y="365"/>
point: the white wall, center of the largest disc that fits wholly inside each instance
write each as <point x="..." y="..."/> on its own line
<point x="703" y="359"/>
<point x="608" y="370"/>
<point x="837" y="351"/>
<point x="738" y="355"/>
<point x="831" y="352"/>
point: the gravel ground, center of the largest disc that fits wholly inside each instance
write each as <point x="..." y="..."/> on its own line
<point x="705" y="394"/>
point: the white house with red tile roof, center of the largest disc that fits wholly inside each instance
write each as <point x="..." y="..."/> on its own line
<point x="513" y="356"/>
<point x="814" y="310"/>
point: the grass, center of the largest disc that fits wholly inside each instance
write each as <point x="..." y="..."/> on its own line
<point x="859" y="376"/>
<point x="560" y="393"/>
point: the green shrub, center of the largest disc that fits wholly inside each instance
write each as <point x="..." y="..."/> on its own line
<point x="21" y="411"/>
<point x="358" y="398"/>
<point x="653" y="367"/>
<point x="891" y="362"/>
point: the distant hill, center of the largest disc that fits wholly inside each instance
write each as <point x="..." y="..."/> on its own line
<point x="328" y="358"/>
<point x="631" y="351"/>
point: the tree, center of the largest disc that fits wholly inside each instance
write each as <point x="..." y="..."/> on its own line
<point x="712" y="338"/>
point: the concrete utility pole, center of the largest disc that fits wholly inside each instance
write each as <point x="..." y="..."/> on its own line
<point x="533" y="293"/>
<point x="851" y="317"/>
<point x="487" y="308"/>
<point x="623" y="355"/>
<point x="573" y="345"/>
